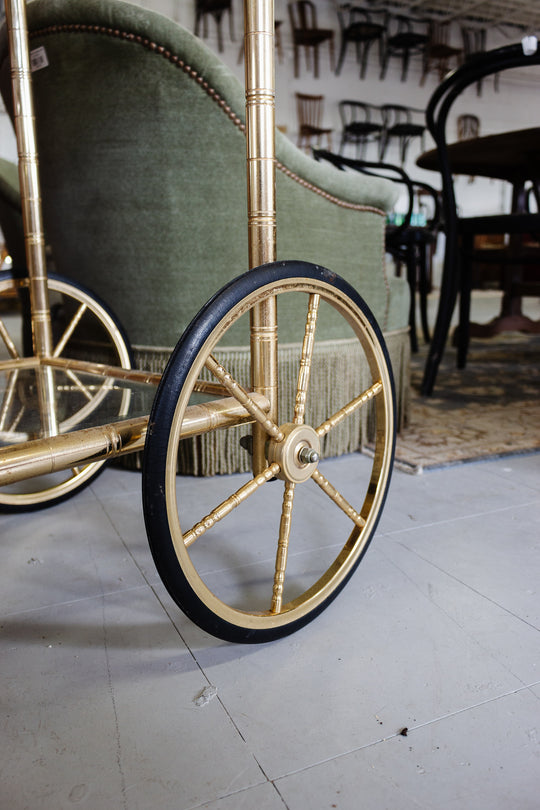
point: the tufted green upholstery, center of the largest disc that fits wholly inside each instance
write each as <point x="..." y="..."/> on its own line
<point x="142" y="165"/>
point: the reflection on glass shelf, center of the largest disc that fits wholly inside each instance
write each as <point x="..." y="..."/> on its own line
<point x="38" y="402"/>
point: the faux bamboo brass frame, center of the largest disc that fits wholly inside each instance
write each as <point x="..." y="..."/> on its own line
<point x="61" y="451"/>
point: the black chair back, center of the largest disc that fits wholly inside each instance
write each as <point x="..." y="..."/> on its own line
<point x="456" y="276"/>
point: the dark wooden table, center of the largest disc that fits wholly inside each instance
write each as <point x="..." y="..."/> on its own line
<point x="512" y="156"/>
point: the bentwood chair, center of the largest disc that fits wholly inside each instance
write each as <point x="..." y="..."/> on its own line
<point x="358" y="26"/>
<point x="358" y="126"/>
<point x="399" y="122"/>
<point x="404" y="37"/>
<point x="307" y="34"/>
<point x="520" y="260"/>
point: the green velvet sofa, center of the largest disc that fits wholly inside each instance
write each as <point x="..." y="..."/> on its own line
<point x="142" y="163"/>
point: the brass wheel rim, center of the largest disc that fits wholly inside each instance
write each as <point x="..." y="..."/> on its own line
<point x="353" y="548"/>
<point x="76" y="477"/>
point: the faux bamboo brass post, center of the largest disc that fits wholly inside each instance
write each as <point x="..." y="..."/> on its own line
<point x="260" y="105"/>
<point x="25" y="131"/>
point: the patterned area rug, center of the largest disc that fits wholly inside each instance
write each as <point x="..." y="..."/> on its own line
<point x="489" y="409"/>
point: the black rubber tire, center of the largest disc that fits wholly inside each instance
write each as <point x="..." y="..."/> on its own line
<point x="163" y="413"/>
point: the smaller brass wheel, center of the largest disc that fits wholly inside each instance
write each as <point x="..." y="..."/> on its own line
<point x="241" y="564"/>
<point x="83" y="329"/>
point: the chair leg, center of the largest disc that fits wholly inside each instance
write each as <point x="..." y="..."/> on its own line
<point x="464" y="303"/>
<point x="365" y="55"/>
<point x="231" y="24"/>
<point x="384" y="65"/>
<point x="218" y="18"/>
<point x="383" y="146"/>
<point x="411" y="278"/>
<point x="405" y="66"/>
<point x="404" y="147"/>
<point x="341" y="57"/>
<point x="423" y="251"/>
<point x="425" y="70"/>
<point x="447" y="302"/>
<point x="296" y="62"/>
<point x="331" y="53"/>
<point x="316" y="62"/>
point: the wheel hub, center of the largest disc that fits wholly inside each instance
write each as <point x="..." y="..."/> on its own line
<point x="297" y="454"/>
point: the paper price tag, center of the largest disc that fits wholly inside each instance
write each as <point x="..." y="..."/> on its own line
<point x="38" y="59"/>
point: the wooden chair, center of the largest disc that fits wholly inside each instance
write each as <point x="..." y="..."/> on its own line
<point x="468" y="126"/>
<point x="358" y="127"/>
<point x="306" y="34"/>
<point x="474" y="38"/>
<point x="439" y="52"/>
<point x="310" y="112"/>
<point x="357" y="25"/>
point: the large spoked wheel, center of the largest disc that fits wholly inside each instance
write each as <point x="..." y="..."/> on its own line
<point x="83" y="329"/>
<point x="240" y="564"/>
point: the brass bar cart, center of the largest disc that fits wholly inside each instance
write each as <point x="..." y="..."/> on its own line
<point x="242" y="568"/>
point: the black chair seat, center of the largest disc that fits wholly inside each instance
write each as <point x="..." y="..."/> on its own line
<point x="408" y="40"/>
<point x="500" y="223"/>
<point x="363" y="128"/>
<point x="312" y="36"/>
<point x="363" y="31"/>
<point x="410" y="130"/>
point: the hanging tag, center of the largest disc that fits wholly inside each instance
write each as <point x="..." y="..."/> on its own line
<point x="38" y="59"/>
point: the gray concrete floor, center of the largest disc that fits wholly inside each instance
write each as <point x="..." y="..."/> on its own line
<point x="419" y="687"/>
<point x="436" y="633"/>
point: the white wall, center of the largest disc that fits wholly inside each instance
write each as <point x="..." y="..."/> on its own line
<point x="515" y="106"/>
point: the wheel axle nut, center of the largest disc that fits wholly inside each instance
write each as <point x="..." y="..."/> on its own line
<point x="308" y="455"/>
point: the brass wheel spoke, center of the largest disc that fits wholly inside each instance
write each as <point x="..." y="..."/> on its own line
<point x="306" y="359"/>
<point x="15" y="424"/>
<point x="242" y="396"/>
<point x="60" y="346"/>
<point x="283" y="546"/>
<point x="6" y="337"/>
<point x="334" y="420"/>
<point x="338" y="499"/>
<point x="227" y="506"/>
<point x="7" y="399"/>
<point x="80" y="385"/>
